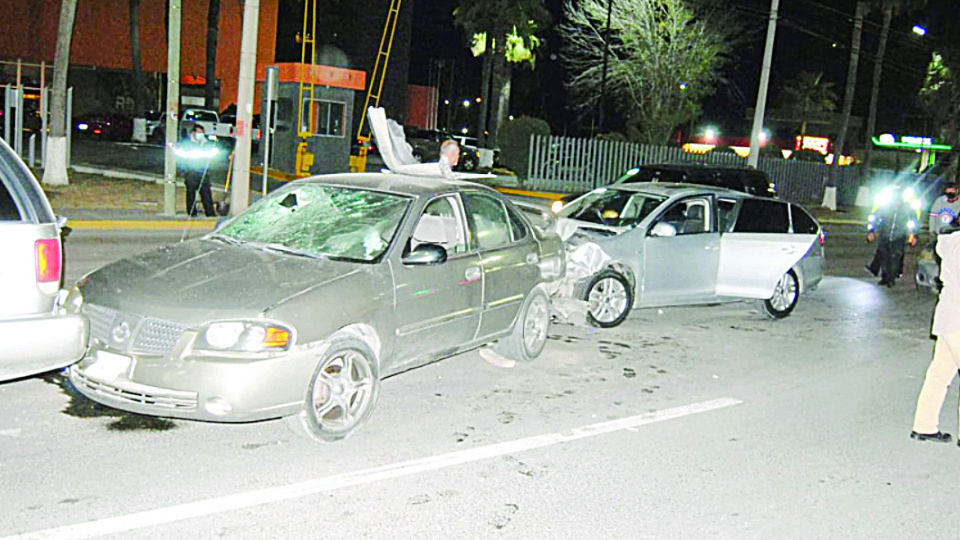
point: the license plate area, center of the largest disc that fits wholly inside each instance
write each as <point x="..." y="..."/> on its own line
<point x="107" y="366"/>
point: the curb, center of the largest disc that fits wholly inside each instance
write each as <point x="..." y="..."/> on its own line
<point x="206" y="224"/>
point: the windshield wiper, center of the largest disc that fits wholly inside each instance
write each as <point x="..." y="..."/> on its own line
<point x="225" y="239"/>
<point x="280" y="248"/>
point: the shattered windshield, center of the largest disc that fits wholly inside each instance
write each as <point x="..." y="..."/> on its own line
<point x="322" y="221"/>
<point x="613" y="207"/>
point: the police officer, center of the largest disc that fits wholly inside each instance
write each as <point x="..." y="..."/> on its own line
<point x="892" y="225"/>
<point x="195" y="153"/>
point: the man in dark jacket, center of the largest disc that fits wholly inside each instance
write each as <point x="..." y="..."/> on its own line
<point x="195" y="154"/>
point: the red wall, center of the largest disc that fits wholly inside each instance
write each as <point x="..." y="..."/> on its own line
<point x="101" y="36"/>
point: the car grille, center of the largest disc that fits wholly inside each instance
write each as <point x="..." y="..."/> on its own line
<point x="132" y="333"/>
<point x="155" y="397"/>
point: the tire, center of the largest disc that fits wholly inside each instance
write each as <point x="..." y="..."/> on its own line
<point x="609" y="297"/>
<point x="785" y="297"/>
<point x="468" y="164"/>
<point x="339" y="401"/>
<point x="418" y="155"/>
<point x="529" y="335"/>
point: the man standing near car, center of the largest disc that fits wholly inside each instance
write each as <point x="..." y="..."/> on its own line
<point x="195" y="154"/>
<point x="449" y="157"/>
<point x="946" y="352"/>
<point x="945" y="209"/>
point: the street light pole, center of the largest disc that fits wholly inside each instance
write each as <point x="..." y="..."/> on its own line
<point x="603" y="77"/>
<point x="240" y="188"/>
<point x="760" y="110"/>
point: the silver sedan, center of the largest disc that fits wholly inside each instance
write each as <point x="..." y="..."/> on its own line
<point x="299" y="306"/>
<point x="661" y="244"/>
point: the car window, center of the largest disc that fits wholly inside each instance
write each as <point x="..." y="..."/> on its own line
<point x="762" y="216"/>
<point x="689" y="216"/>
<point x="441" y="223"/>
<point x="612" y="207"/>
<point x="8" y="207"/>
<point x="518" y="228"/>
<point x="490" y="220"/>
<point x="725" y="213"/>
<point x="803" y="223"/>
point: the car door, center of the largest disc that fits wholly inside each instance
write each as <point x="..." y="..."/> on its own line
<point x="438" y="305"/>
<point x="509" y="257"/>
<point x="681" y="267"/>
<point x="759" y="249"/>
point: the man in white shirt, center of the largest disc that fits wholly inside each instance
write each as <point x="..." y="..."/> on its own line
<point x="946" y="353"/>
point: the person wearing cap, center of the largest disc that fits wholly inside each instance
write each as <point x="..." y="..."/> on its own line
<point x="946" y="352"/>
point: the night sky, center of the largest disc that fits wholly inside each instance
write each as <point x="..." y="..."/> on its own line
<point x="812" y="36"/>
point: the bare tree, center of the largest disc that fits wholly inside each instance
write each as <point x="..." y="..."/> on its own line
<point x="55" y="167"/>
<point x="849" y="89"/>
<point x="664" y="60"/>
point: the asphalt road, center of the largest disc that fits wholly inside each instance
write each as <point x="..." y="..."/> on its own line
<point x="696" y="422"/>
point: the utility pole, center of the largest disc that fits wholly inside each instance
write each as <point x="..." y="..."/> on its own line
<point x="173" y="111"/>
<point x="760" y="110"/>
<point x="240" y="188"/>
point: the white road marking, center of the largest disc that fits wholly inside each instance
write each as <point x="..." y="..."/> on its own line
<point x="170" y="514"/>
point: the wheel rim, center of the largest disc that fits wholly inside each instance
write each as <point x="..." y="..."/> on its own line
<point x="342" y="391"/>
<point x="785" y="293"/>
<point x="536" y="324"/>
<point x="608" y="300"/>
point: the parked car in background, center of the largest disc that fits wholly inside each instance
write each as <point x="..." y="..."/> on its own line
<point x="425" y="144"/>
<point x="299" y="306"/>
<point x="109" y="127"/>
<point x="745" y="179"/>
<point x="40" y="325"/>
<point x="662" y="244"/>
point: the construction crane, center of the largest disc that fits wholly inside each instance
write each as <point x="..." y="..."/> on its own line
<point x="358" y="163"/>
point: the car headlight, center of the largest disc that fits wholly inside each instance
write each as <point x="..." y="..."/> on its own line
<point x="883" y="198"/>
<point x="245" y="336"/>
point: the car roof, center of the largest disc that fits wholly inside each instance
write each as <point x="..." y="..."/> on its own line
<point x="404" y="184"/>
<point x="696" y="167"/>
<point x="669" y="189"/>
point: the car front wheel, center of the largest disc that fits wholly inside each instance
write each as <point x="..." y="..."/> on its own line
<point x="609" y="297"/>
<point x="342" y="394"/>
<point x="529" y="334"/>
<point x="468" y="163"/>
<point x="785" y="297"/>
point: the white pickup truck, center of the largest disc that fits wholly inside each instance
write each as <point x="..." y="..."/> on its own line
<point x="210" y="120"/>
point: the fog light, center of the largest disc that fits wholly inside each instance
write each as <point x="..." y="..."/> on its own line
<point x="218" y="406"/>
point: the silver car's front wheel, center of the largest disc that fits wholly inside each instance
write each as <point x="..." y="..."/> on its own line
<point x="785" y="296"/>
<point x="343" y="391"/>
<point x="610" y="298"/>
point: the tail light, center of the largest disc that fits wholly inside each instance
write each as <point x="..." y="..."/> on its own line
<point x="822" y="238"/>
<point x="47" y="253"/>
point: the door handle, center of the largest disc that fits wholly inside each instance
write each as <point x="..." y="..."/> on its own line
<point x="472" y="274"/>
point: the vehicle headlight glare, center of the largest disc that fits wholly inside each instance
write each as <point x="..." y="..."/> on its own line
<point x="245" y="336"/>
<point x="884" y="197"/>
<point x="223" y="335"/>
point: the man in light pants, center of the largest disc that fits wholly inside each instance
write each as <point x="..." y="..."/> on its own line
<point x="946" y="353"/>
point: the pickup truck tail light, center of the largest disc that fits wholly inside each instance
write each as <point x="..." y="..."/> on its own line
<point x="47" y="256"/>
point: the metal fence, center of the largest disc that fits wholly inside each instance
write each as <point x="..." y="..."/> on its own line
<point x="567" y="164"/>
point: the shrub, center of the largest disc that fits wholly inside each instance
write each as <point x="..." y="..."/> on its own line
<point x="514" y="139"/>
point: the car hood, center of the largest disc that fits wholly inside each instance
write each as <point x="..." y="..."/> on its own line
<point x="202" y="279"/>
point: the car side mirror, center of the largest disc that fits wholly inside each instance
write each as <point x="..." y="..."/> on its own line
<point x="663" y="229"/>
<point x="425" y="254"/>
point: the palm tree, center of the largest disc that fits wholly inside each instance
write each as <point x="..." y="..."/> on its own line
<point x="213" y="29"/>
<point x="849" y="90"/>
<point x="55" y="166"/>
<point x="809" y="94"/>
<point x="501" y="31"/>
<point x="889" y="8"/>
